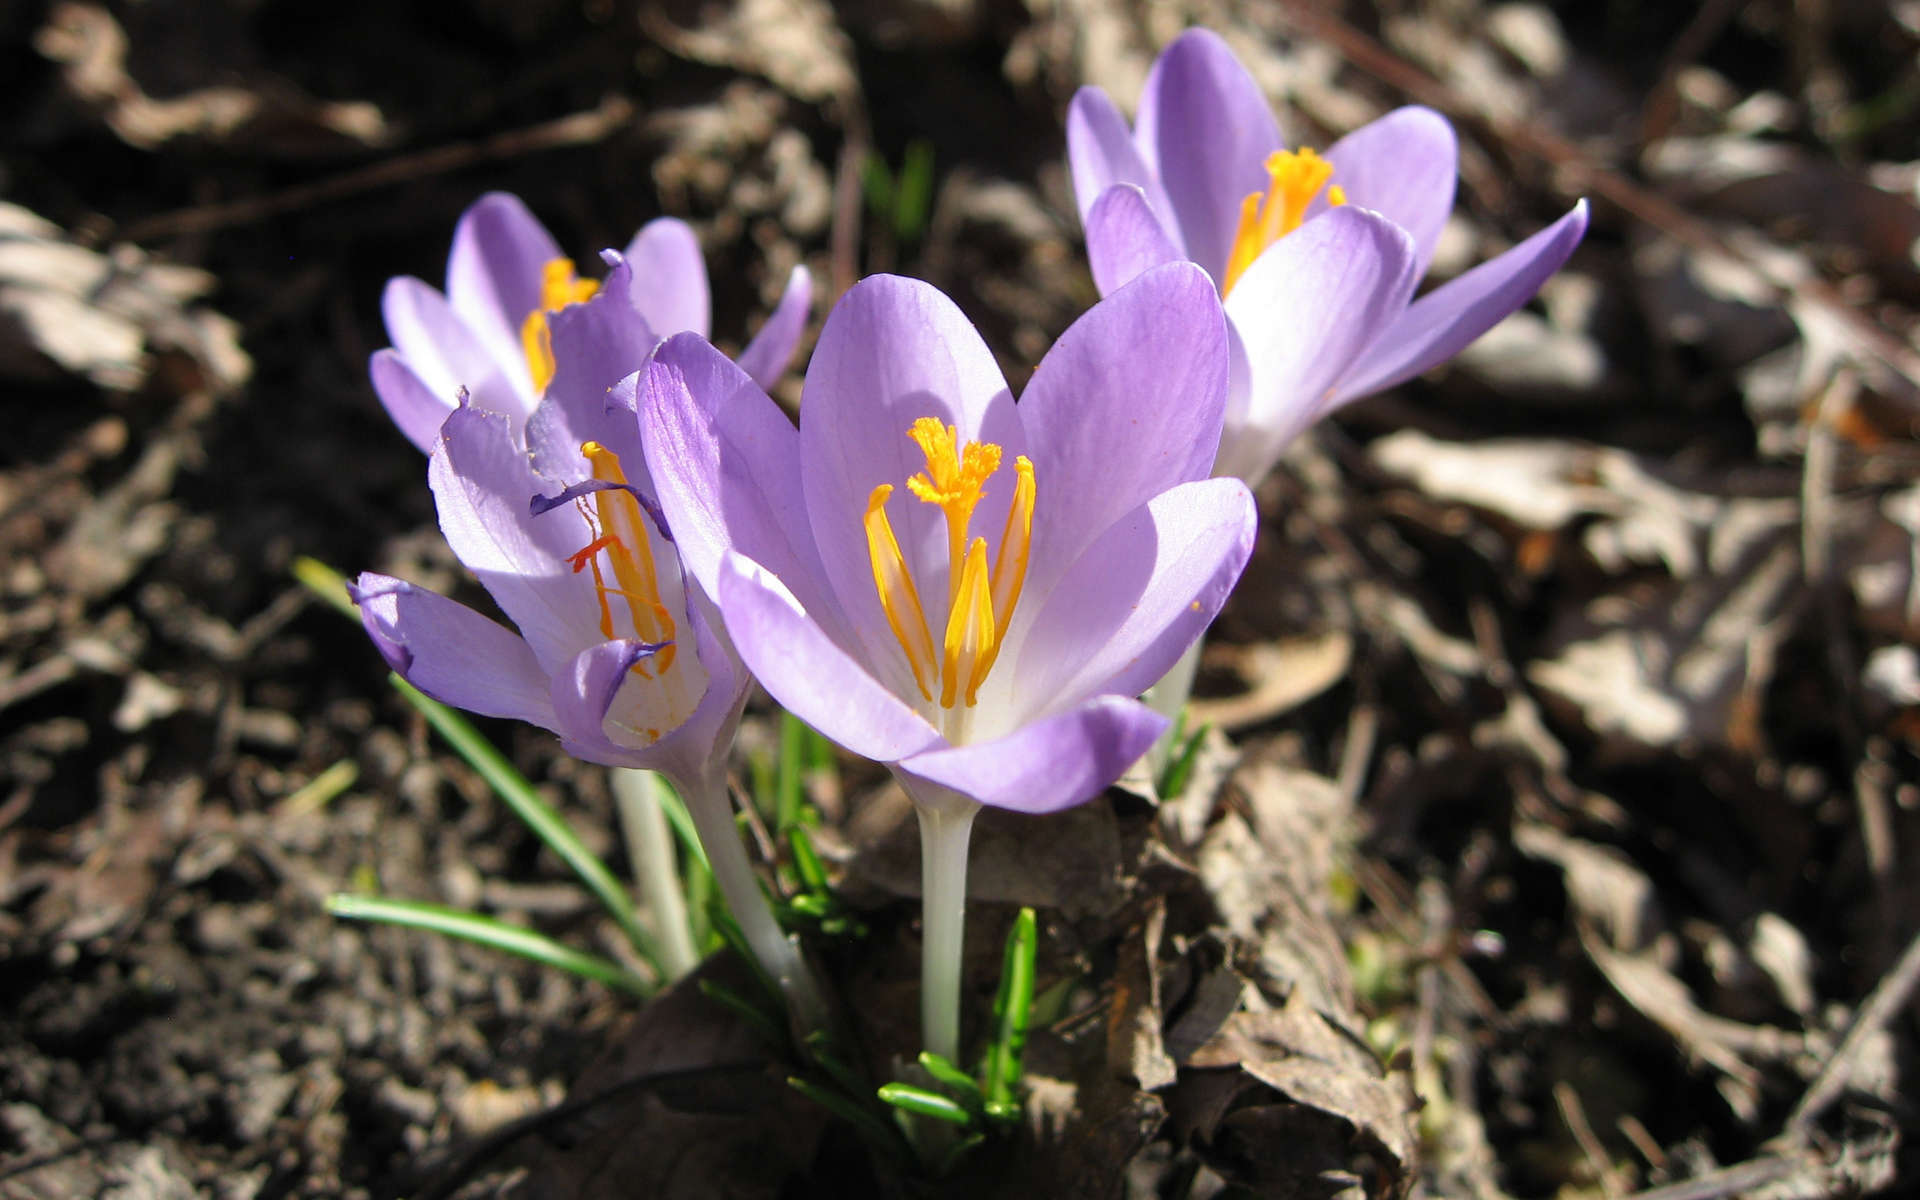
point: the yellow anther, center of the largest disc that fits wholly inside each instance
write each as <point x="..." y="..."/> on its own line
<point x="1295" y="178"/>
<point x="558" y="288"/>
<point x="980" y="600"/>
<point x="898" y="596"/>
<point x="971" y="631"/>
<point x="620" y="530"/>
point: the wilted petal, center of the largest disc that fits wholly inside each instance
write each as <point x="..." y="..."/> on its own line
<point x="499" y="251"/>
<point x="767" y="355"/>
<point x="1048" y="765"/>
<point x="1101" y="154"/>
<point x="1403" y="166"/>
<point x="1446" y="320"/>
<point x="670" y="278"/>
<point x="1305" y="310"/>
<point x="451" y="652"/>
<point x="1125" y="405"/>
<point x="1207" y="130"/>
<point x="814" y="679"/>
<point x="1143" y="592"/>
<point x="1125" y="238"/>
<point x="481" y="483"/>
<point x="894" y="350"/>
<point x="412" y="405"/>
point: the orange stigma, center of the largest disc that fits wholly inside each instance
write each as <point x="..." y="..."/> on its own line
<point x="1295" y="178"/>
<point x="618" y="528"/>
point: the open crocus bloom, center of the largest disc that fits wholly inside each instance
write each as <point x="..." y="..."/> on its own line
<point x="1316" y="258"/>
<point x="614" y="653"/>
<point x="970" y="590"/>
<point x="492" y="331"/>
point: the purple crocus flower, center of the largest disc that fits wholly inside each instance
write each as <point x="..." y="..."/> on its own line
<point x="614" y="653"/>
<point x="491" y="332"/>
<point x="969" y="590"/>
<point x="1316" y="258"/>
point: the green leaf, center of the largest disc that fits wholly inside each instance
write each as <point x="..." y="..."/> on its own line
<point x="966" y="1091"/>
<point x="1173" y="780"/>
<point x="921" y="1102"/>
<point x="539" y="816"/>
<point x="877" y="1132"/>
<point x="913" y="191"/>
<point x="805" y="861"/>
<point x="755" y="1017"/>
<point x="1012" y="1009"/>
<point x="787" y="794"/>
<point x="486" y="931"/>
<point x="326" y="583"/>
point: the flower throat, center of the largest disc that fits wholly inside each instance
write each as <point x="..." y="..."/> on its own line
<point x="980" y="601"/>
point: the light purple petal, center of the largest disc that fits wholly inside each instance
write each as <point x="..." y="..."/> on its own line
<point x="670" y="278"/>
<point x="1125" y="405"/>
<point x="894" y="350"/>
<point x="451" y="652"/>
<point x="595" y="346"/>
<point x="808" y="674"/>
<point x="1446" y="320"/>
<point x="1305" y="310"/>
<point x="1101" y="153"/>
<point x="481" y="483"/>
<point x="1124" y="238"/>
<point x="1140" y="595"/>
<point x="1048" y="765"/>
<point x="447" y="356"/>
<point x="413" y="406"/>
<point x="500" y="250"/>
<point x="767" y="355"/>
<point x="583" y="691"/>
<point x="1403" y="166"/>
<point x="725" y="461"/>
<point x="1207" y="130"/>
<point x="708" y="733"/>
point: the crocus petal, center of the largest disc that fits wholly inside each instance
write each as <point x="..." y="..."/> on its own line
<point x="435" y="341"/>
<point x="894" y="350"/>
<point x="451" y="652"/>
<point x="686" y="750"/>
<point x="767" y="355"/>
<point x="595" y="345"/>
<point x="669" y="278"/>
<point x="481" y="482"/>
<point x="1048" y="765"/>
<point x="1101" y="154"/>
<point x="1125" y="238"/>
<point x="1446" y="320"/>
<point x="724" y="460"/>
<point x="414" y="407"/>
<point x="1404" y="167"/>
<point x="583" y="691"/>
<point x="811" y="676"/>
<point x="1206" y="130"/>
<point x="1125" y="405"/>
<point x="1142" y="593"/>
<point x="500" y="251"/>
<point x="1305" y="310"/>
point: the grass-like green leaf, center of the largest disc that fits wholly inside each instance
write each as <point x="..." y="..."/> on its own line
<point x="486" y="931"/>
<point x="923" y="1103"/>
<point x="326" y="583"/>
<point x="1012" y="1009"/>
<point x="1173" y="780"/>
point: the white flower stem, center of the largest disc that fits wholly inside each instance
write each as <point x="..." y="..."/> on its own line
<point x="946" y="830"/>
<point x="712" y="814"/>
<point x="1167" y="698"/>
<point x="650" y="846"/>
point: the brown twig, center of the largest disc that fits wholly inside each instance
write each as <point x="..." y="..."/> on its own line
<point x="1888" y="1000"/>
<point x="578" y="129"/>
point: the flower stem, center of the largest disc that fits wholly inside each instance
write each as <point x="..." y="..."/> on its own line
<point x="712" y="814"/>
<point x="1167" y="698"/>
<point x="650" y="846"/>
<point x="946" y="830"/>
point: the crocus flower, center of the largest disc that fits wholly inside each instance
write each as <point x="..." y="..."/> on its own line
<point x="1316" y="258"/>
<point x="616" y="652"/>
<point x="491" y="331"/>
<point x="969" y="590"/>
